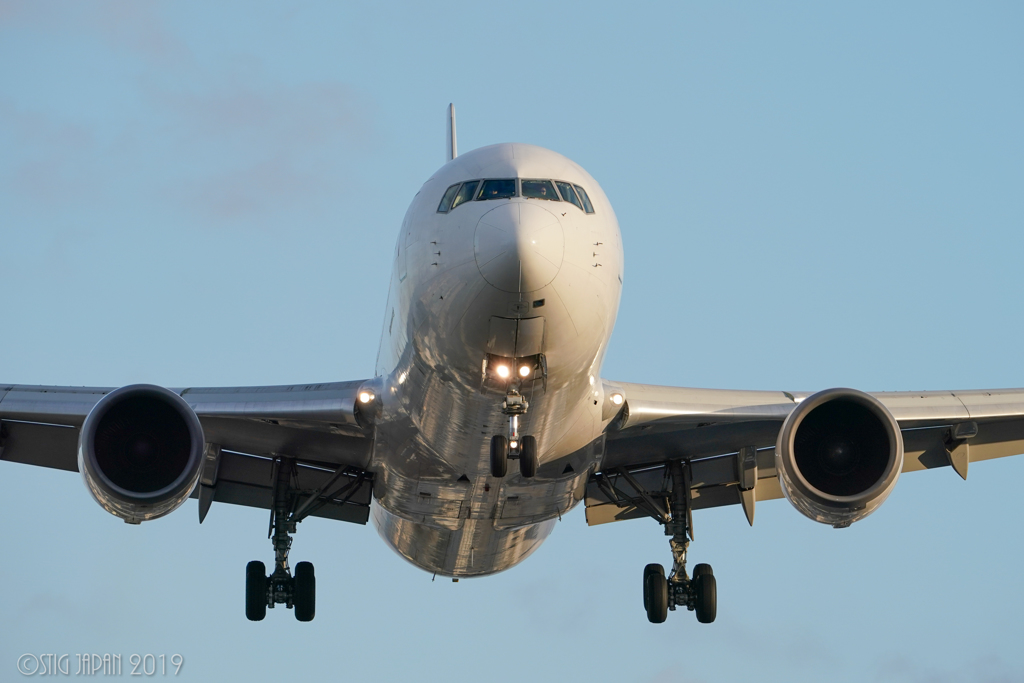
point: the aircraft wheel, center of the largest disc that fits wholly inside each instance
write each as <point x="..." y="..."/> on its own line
<point x="528" y="457"/>
<point x="255" y="591"/>
<point x="656" y="590"/>
<point x="706" y="594"/>
<point x="305" y="591"/>
<point x="701" y="569"/>
<point x="499" y="456"/>
<point x="648" y="570"/>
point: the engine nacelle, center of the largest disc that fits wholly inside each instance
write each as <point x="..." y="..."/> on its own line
<point x="838" y="456"/>
<point x="141" y="452"/>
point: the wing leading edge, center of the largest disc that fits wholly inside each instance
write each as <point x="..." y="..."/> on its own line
<point x="246" y="429"/>
<point x="728" y="437"/>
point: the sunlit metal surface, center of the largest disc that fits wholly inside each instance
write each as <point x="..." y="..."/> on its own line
<point x="504" y="260"/>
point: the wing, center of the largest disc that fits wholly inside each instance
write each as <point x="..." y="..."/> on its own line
<point x="245" y="428"/>
<point x="728" y="437"/>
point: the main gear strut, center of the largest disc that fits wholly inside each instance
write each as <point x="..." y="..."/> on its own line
<point x="298" y="591"/>
<point x="698" y="593"/>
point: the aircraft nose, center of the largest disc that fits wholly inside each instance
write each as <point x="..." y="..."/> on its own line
<point x="519" y="246"/>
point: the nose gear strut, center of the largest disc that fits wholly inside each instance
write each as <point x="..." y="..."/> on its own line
<point x="514" y="405"/>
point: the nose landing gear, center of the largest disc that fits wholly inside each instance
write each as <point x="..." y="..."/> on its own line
<point x="514" y="446"/>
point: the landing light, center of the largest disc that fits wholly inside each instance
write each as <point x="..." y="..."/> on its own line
<point x="617" y="399"/>
<point x="503" y="371"/>
<point x="365" y="397"/>
<point x="525" y="371"/>
<point x="513" y="444"/>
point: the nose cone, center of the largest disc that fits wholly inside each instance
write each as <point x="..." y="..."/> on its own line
<point x="519" y="246"/>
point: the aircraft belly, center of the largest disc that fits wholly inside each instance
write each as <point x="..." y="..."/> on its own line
<point x="475" y="548"/>
<point x="448" y="515"/>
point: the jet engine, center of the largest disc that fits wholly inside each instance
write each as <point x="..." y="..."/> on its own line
<point x="141" y="452"/>
<point x="838" y="456"/>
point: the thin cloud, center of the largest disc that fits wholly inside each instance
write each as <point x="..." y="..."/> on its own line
<point x="267" y="147"/>
<point x="121" y="24"/>
<point x="298" y="117"/>
<point x="48" y="160"/>
<point x="254" y="189"/>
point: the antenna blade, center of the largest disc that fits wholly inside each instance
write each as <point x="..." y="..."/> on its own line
<point x="452" y="147"/>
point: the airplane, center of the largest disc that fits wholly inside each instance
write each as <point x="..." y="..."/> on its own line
<point x="488" y="418"/>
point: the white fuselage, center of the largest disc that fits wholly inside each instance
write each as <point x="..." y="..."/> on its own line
<point x="463" y="283"/>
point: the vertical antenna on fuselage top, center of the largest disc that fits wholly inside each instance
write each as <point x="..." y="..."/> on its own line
<point x="453" y="148"/>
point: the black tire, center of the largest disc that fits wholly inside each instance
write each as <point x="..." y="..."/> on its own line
<point x="657" y="597"/>
<point x="255" y="591"/>
<point x="648" y="570"/>
<point x="706" y="593"/>
<point x="499" y="456"/>
<point x="528" y="457"/>
<point x="305" y="592"/>
<point x="702" y="569"/>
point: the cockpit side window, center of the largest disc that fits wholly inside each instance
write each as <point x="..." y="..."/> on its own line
<point x="446" y="200"/>
<point x="539" y="189"/>
<point x="587" y="206"/>
<point x="502" y="188"/>
<point x="568" y="194"/>
<point x="465" y="192"/>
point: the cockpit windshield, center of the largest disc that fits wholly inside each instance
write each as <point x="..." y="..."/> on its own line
<point x="539" y="189"/>
<point x="587" y="206"/>
<point x="446" y="200"/>
<point x="568" y="194"/>
<point x="498" y="189"/>
<point x="465" y="193"/>
<point x="506" y="188"/>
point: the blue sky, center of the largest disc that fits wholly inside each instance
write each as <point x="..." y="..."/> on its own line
<point x="810" y="195"/>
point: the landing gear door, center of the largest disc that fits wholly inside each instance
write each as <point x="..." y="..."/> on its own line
<point x="512" y="338"/>
<point x="501" y="338"/>
<point x="530" y="340"/>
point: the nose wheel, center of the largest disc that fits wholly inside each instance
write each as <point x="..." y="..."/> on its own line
<point x="528" y="456"/>
<point x="525" y="452"/>
<point x="499" y="456"/>
<point x="514" y="446"/>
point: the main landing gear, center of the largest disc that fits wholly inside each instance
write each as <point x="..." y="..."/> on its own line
<point x="298" y="591"/>
<point x="697" y="593"/>
<point x="514" y="446"/>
